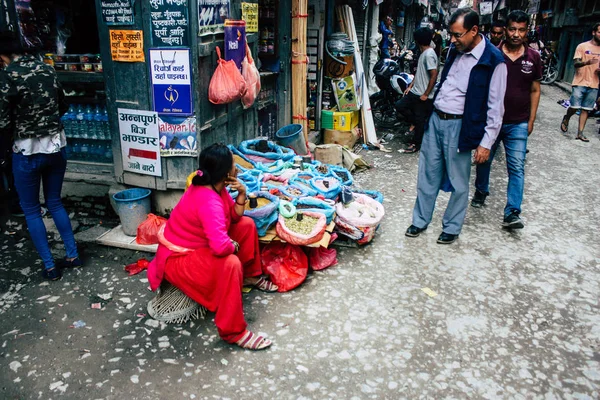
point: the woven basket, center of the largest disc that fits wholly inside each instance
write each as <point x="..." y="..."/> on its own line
<point x="172" y="306"/>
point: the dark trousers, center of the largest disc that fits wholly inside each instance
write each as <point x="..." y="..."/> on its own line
<point x="416" y="112"/>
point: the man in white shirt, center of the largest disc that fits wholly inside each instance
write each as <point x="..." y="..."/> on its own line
<point x="468" y="111"/>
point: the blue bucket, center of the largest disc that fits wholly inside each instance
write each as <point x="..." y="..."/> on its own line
<point x="291" y="136"/>
<point x="133" y="207"/>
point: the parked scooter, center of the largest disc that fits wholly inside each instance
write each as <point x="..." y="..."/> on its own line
<point x="393" y="77"/>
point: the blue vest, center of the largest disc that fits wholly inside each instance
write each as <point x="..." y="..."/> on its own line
<point x="476" y="107"/>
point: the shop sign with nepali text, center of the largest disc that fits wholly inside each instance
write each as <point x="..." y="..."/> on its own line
<point x="169" y="24"/>
<point x="127" y="45"/>
<point x="171" y="81"/>
<point x="117" y="12"/>
<point x="140" y="146"/>
<point x="250" y="15"/>
<point x="177" y="136"/>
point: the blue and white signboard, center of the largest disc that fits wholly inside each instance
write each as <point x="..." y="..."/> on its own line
<point x="171" y="81"/>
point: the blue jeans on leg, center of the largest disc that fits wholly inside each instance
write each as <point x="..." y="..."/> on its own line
<point x="48" y="169"/>
<point x="514" y="138"/>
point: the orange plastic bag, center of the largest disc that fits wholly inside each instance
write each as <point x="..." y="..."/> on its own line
<point x="227" y="83"/>
<point x="147" y="232"/>
<point x="286" y="265"/>
<point x="252" y="78"/>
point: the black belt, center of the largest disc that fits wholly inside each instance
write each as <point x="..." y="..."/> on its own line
<point x="444" y="115"/>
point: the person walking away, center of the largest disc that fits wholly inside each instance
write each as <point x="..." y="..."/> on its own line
<point x="585" y="82"/>
<point x="468" y="110"/>
<point x="417" y="103"/>
<point x="31" y="104"/>
<point x="497" y="33"/>
<point x="385" y="27"/>
<point x="520" y="108"/>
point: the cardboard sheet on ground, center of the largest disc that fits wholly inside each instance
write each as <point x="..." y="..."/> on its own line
<point x="271" y="236"/>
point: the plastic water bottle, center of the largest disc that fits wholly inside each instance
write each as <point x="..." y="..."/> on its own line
<point x="88" y="123"/>
<point x="76" y="150"/>
<point x="98" y="123"/>
<point x="108" y="153"/>
<point x="105" y="126"/>
<point x="85" y="150"/>
<point x="99" y="152"/>
<point x="67" y="121"/>
<point x="80" y="123"/>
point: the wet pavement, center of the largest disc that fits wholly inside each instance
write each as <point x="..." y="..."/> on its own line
<point x="503" y="314"/>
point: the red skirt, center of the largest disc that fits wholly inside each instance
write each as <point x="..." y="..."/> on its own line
<point x="216" y="282"/>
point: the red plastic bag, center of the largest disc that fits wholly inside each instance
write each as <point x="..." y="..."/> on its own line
<point x="227" y="83"/>
<point x="252" y="78"/>
<point x="320" y="258"/>
<point x="286" y="265"/>
<point x="137" y="267"/>
<point x="147" y="232"/>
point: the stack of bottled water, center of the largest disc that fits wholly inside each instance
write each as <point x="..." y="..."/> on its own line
<point x="88" y="133"/>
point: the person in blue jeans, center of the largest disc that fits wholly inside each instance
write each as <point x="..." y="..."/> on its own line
<point x="520" y="108"/>
<point x="31" y="104"/>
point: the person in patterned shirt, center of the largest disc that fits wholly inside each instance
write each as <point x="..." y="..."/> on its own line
<point x="31" y="104"/>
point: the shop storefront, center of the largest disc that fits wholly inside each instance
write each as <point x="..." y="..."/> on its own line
<point x="137" y="77"/>
<point x="155" y="56"/>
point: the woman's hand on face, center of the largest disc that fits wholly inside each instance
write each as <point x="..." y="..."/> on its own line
<point x="236" y="185"/>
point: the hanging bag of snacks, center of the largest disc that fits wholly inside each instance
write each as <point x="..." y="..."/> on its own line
<point x="227" y="84"/>
<point x="252" y="78"/>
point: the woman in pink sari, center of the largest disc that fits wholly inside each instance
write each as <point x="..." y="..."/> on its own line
<point x="209" y="250"/>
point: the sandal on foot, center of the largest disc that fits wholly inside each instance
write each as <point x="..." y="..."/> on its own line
<point x="411" y="149"/>
<point x="582" y="138"/>
<point x="252" y="341"/>
<point x="265" y="285"/>
<point x="564" y="125"/>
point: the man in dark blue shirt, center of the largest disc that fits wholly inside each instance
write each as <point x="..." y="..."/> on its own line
<point x="386" y="41"/>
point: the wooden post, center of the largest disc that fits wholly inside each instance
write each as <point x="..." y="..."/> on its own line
<point x="299" y="64"/>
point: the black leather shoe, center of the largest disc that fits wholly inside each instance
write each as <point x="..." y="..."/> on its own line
<point x="478" y="199"/>
<point x="413" y="231"/>
<point x="447" y="238"/>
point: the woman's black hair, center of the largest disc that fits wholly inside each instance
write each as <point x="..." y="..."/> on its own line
<point x="215" y="163"/>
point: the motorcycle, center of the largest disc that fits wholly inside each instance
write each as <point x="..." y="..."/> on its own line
<point x="550" y="66"/>
<point x="393" y="78"/>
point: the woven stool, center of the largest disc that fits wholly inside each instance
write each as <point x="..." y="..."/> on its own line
<point x="172" y="306"/>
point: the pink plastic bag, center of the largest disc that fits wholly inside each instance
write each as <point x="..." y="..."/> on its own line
<point x="252" y="78"/>
<point x="227" y="84"/>
<point x="320" y="258"/>
<point x="286" y="265"/>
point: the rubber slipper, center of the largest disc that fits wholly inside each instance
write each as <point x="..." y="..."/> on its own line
<point x="582" y="138"/>
<point x="564" y="125"/>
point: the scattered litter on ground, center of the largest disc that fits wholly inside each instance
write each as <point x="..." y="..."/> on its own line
<point x="137" y="267"/>
<point x="15" y="365"/>
<point x="78" y="324"/>
<point x="429" y="292"/>
<point x="97" y="306"/>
